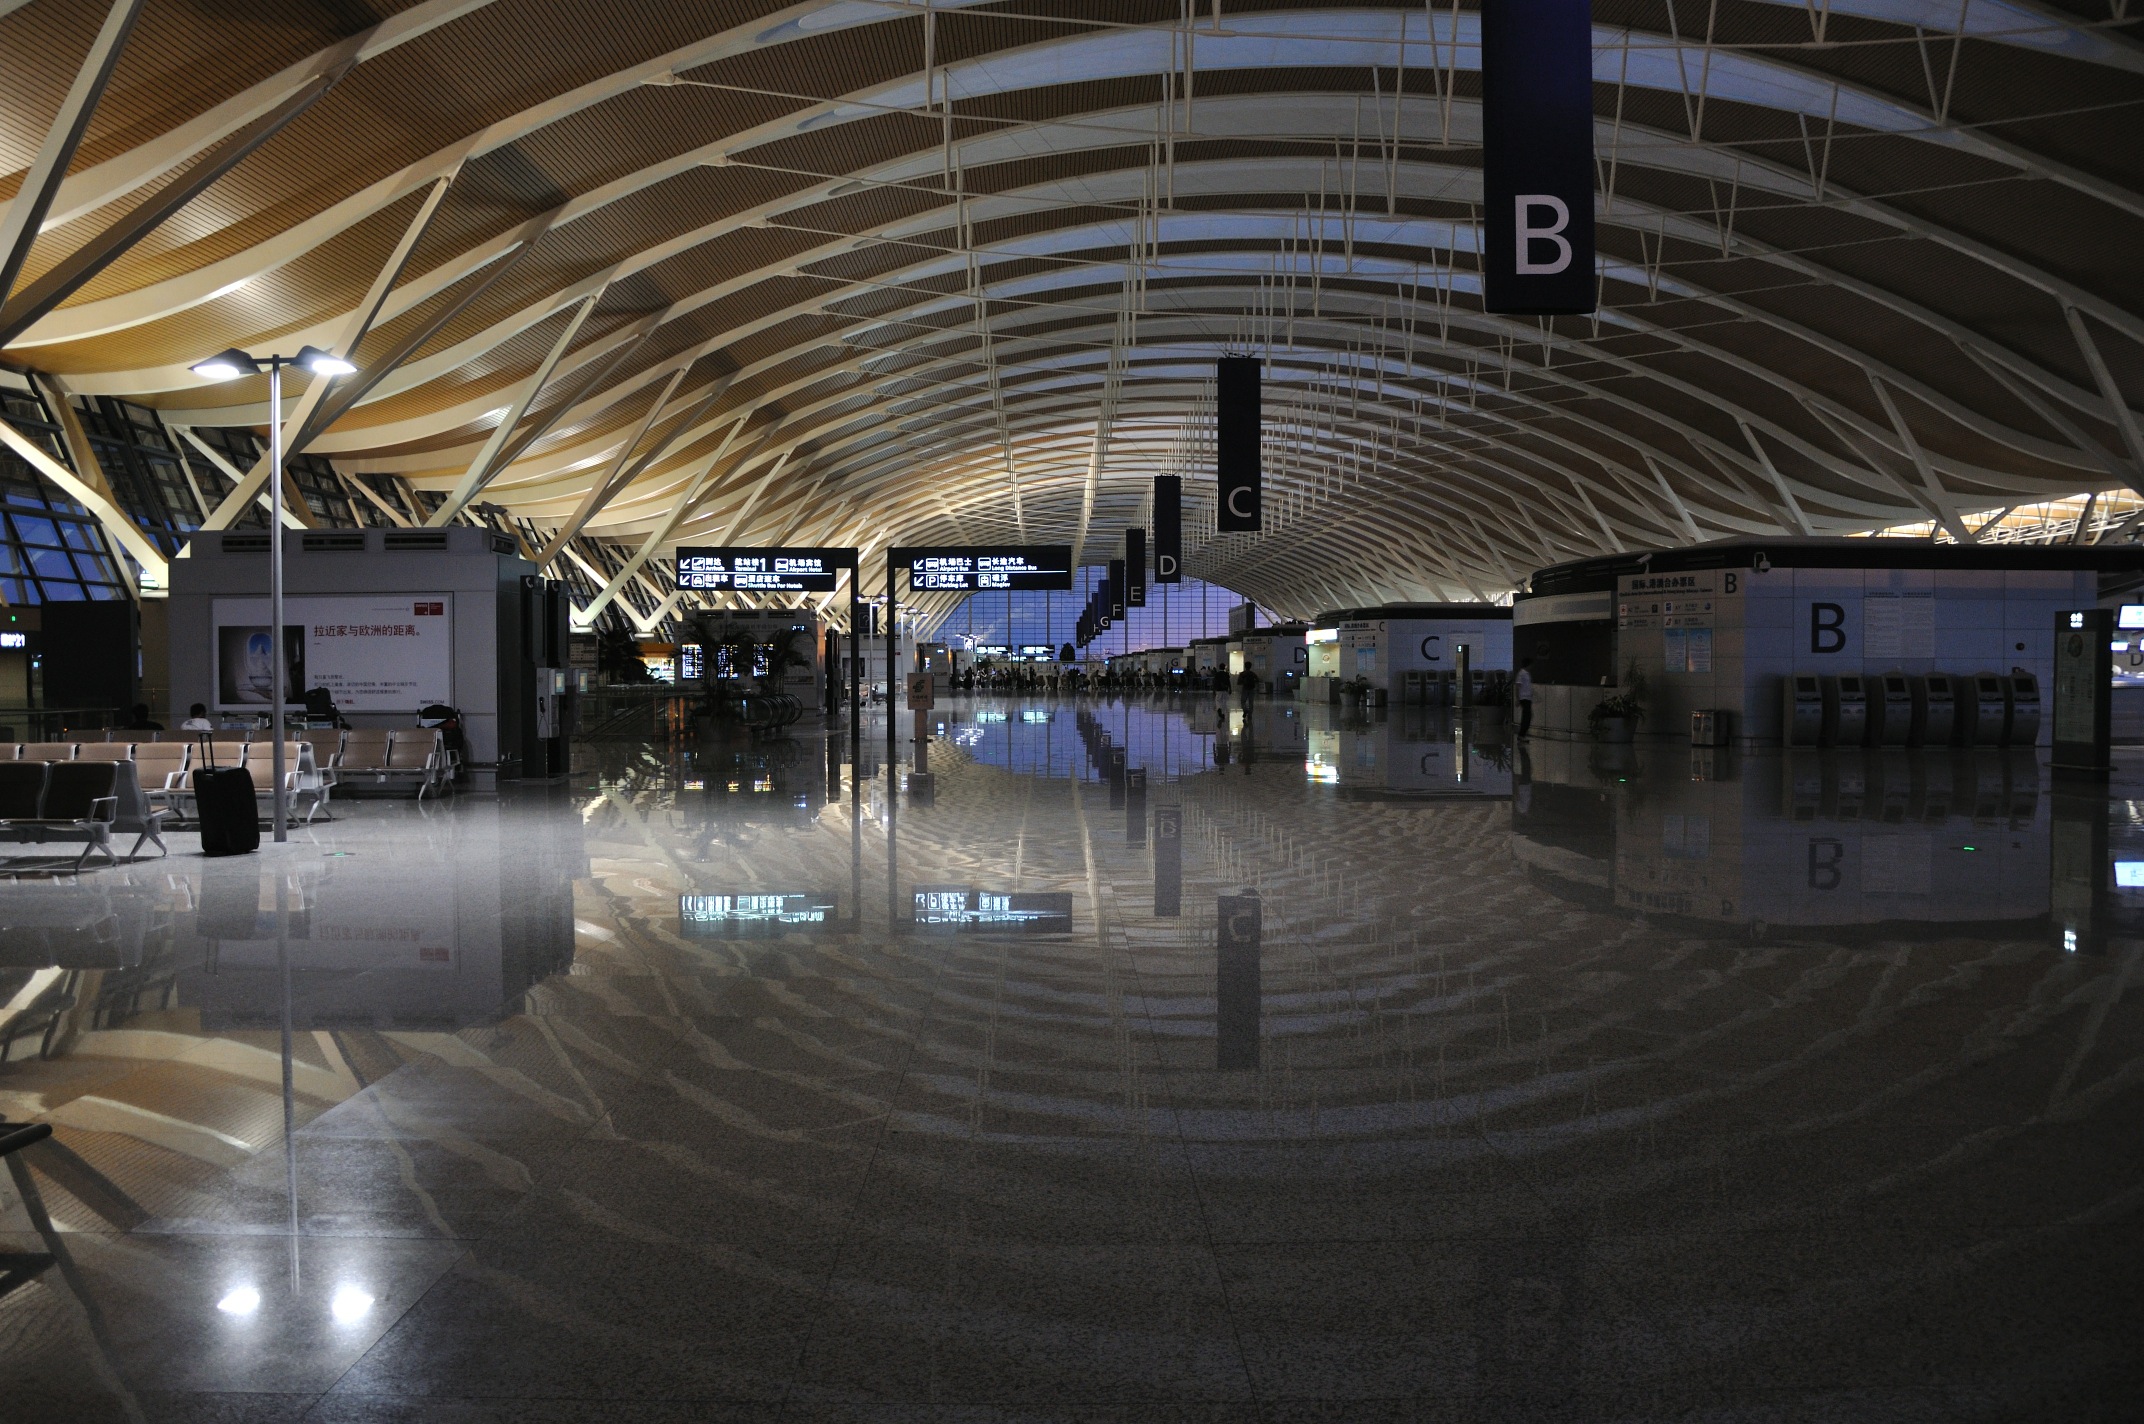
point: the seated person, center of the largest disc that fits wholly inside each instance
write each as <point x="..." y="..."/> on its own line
<point x="197" y="719"/>
<point x="140" y="721"/>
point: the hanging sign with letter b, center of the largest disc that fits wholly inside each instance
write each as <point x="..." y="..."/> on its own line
<point x="1537" y="155"/>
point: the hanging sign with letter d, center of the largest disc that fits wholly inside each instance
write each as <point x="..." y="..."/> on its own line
<point x="1537" y="155"/>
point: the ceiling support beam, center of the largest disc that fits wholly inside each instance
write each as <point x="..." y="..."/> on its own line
<point x="2125" y="419"/>
<point x="622" y="475"/>
<point x="1939" y="500"/>
<point x="696" y="493"/>
<point x="596" y="370"/>
<point x="394" y="516"/>
<point x="2130" y="474"/>
<point x="348" y="393"/>
<point x="1938" y="515"/>
<point x="605" y="486"/>
<point x="248" y="485"/>
<point x="26" y="214"/>
<point x="1779" y="481"/>
<point x="24" y="309"/>
<point x="291" y="503"/>
<point x="485" y="465"/>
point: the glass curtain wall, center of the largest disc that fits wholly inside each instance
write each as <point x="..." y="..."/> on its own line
<point x="51" y="549"/>
<point x="1173" y="616"/>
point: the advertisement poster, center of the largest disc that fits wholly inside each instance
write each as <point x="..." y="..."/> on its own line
<point x="373" y="652"/>
<point x="245" y="667"/>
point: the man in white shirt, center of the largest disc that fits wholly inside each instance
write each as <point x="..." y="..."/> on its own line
<point x="197" y="719"/>
<point x="1522" y="688"/>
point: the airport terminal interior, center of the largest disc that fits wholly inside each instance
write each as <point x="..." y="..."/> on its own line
<point x="1071" y="710"/>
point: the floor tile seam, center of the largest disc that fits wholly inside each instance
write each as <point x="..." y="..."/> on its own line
<point x="388" y="1328"/>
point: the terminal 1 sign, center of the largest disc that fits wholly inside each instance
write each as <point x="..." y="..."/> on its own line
<point x="761" y="570"/>
<point x="969" y="568"/>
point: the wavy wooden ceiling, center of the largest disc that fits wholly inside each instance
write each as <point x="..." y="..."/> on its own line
<point x="1848" y="282"/>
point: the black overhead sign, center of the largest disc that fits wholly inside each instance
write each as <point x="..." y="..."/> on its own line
<point x="1168" y="529"/>
<point x="762" y="912"/>
<point x="966" y="568"/>
<point x="761" y="570"/>
<point x="963" y="907"/>
<point x="1135" y="567"/>
<point x="1238" y="426"/>
<point x="1537" y="155"/>
<point x="1117" y="598"/>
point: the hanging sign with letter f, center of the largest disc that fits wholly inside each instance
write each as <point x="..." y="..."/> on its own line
<point x="1537" y="155"/>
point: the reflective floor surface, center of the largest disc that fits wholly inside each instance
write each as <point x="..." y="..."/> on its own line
<point x="1163" y="1060"/>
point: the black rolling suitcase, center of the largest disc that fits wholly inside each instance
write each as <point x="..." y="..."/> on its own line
<point x="224" y="805"/>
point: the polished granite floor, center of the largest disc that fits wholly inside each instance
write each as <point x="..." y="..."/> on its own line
<point x="1160" y="1060"/>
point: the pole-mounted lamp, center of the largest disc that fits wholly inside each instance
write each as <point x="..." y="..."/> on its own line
<point x="229" y="366"/>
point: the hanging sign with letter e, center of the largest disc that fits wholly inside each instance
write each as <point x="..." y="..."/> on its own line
<point x="1135" y="568"/>
<point x="1236" y="436"/>
<point x="1537" y="155"/>
<point x="1168" y="529"/>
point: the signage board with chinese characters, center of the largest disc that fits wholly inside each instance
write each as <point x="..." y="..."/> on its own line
<point x="1684" y="608"/>
<point x="758" y="913"/>
<point x="373" y="652"/>
<point x="761" y="570"/>
<point x="962" y="907"/>
<point x="970" y="568"/>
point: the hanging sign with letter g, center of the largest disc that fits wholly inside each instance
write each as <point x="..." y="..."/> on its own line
<point x="1537" y="155"/>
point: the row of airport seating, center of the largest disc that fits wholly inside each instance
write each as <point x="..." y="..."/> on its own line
<point x="315" y="763"/>
<point x="44" y="800"/>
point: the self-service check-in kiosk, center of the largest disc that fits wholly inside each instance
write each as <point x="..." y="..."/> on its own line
<point x="1984" y="713"/>
<point x="1802" y="709"/>
<point x="1934" y="709"/>
<point x="2021" y="690"/>
<point x="1891" y="712"/>
<point x="1846" y="709"/>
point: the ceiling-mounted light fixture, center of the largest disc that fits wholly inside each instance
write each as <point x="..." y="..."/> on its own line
<point x="322" y="363"/>
<point x="228" y="366"/>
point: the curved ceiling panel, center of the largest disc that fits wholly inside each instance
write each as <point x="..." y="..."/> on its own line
<point x="871" y="271"/>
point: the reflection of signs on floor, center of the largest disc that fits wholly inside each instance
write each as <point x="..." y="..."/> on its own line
<point x="1530" y="1312"/>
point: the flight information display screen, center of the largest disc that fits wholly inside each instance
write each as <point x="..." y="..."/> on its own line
<point x="963" y="907"/>
<point x="738" y="916"/>
<point x="761" y="570"/>
<point x="966" y="569"/>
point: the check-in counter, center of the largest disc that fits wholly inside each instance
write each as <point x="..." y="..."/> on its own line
<point x="1891" y="711"/>
<point x="1846" y="709"/>
<point x="1802" y="709"/>
<point x="1983" y="711"/>
<point x="2021" y="691"/>
<point x="1935" y="709"/>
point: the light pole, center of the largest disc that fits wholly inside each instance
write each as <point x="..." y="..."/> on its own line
<point x="229" y="366"/>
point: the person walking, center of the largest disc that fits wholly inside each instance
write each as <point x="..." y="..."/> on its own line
<point x="1522" y="688"/>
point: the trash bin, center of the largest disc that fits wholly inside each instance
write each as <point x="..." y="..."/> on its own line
<point x="1709" y="727"/>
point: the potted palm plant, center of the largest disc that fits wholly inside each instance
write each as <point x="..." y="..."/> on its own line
<point x="1615" y="718"/>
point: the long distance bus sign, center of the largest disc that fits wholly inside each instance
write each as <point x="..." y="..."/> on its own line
<point x="968" y="568"/>
<point x="761" y="570"/>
